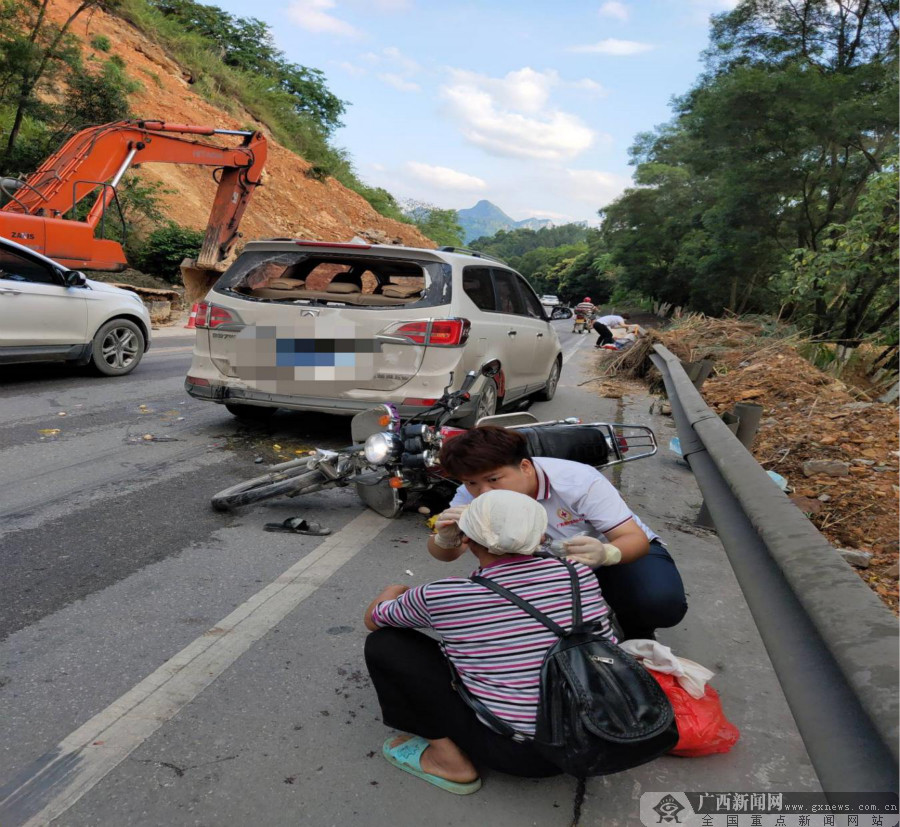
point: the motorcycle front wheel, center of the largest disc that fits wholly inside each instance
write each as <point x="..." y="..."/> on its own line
<point x="294" y="479"/>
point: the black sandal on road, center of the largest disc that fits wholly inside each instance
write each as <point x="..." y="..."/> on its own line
<point x="297" y="525"/>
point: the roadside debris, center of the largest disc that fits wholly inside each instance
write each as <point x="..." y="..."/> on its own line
<point x="297" y="525"/>
<point x="48" y="432"/>
<point x="151" y="438"/>
<point x="815" y="431"/>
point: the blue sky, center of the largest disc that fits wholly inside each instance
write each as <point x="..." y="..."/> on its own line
<point x="531" y="105"/>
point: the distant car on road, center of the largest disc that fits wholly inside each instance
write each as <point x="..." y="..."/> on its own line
<point x="550" y="299"/>
<point x="335" y="327"/>
<point x="49" y="313"/>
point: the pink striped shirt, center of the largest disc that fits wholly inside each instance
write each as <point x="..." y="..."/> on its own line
<point x="496" y="647"/>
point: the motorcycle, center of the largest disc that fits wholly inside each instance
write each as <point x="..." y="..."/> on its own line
<point x="392" y="463"/>
<point x="580" y="324"/>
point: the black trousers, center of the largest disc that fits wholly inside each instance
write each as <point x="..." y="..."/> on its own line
<point x="604" y="334"/>
<point x="412" y="680"/>
<point x="647" y="594"/>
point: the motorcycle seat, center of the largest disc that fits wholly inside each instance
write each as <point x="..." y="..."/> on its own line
<point x="579" y="443"/>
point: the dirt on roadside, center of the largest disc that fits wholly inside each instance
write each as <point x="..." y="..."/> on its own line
<point x="807" y="415"/>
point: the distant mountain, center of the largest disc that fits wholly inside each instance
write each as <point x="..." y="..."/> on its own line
<point x="485" y="219"/>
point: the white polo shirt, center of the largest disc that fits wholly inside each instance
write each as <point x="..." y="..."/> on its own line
<point x="578" y="499"/>
<point x="612" y="321"/>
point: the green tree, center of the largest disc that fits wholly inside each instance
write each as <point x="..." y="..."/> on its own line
<point x="770" y="150"/>
<point x="97" y="97"/>
<point x="247" y="44"/>
<point x="853" y="273"/>
<point x="33" y="50"/>
<point x="165" y="248"/>
<point x="441" y="226"/>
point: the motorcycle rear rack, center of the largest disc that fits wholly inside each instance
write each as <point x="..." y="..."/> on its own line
<point x="626" y="442"/>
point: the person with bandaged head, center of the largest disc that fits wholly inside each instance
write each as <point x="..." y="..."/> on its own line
<point x="490" y="645"/>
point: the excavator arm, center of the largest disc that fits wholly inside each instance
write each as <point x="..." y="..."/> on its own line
<point x="92" y="163"/>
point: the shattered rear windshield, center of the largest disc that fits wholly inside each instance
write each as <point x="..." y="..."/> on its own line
<point x="306" y="278"/>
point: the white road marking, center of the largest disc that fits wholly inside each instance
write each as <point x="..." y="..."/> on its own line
<point x="571" y="351"/>
<point x="92" y="751"/>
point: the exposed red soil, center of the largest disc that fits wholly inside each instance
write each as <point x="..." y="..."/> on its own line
<point x="807" y="415"/>
<point x="288" y="204"/>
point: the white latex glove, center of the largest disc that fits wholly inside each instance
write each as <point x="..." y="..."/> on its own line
<point x="447" y="533"/>
<point x="591" y="552"/>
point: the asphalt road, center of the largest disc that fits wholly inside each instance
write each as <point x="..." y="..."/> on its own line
<point x="162" y="664"/>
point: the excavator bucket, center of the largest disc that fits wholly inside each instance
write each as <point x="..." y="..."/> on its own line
<point x="198" y="281"/>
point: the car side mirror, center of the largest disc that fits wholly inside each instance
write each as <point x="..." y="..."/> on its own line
<point x="75" y="278"/>
<point x="562" y="313"/>
<point x="491" y="368"/>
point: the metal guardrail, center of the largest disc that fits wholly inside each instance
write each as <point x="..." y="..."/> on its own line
<point x="833" y="644"/>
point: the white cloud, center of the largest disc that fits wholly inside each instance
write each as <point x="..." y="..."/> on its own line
<point x="611" y="46"/>
<point x="399" y="82"/>
<point x="618" y="11"/>
<point x="399" y="61"/>
<point x="511" y="116"/>
<point x="397" y="69"/>
<point x="444" y="177"/>
<point x="558" y="217"/>
<point x="699" y="11"/>
<point x="593" y="186"/>
<point x="386" y="6"/>
<point x="589" y="85"/>
<point x="313" y="15"/>
<point x="350" y="68"/>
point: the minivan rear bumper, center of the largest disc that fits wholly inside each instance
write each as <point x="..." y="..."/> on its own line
<point x="215" y="392"/>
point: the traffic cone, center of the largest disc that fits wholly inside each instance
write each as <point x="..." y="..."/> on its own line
<point x="192" y="319"/>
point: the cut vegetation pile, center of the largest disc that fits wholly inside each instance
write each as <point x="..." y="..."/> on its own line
<point x="808" y="415"/>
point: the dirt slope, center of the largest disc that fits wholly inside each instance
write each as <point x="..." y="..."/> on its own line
<point x="289" y="203"/>
<point x="808" y="416"/>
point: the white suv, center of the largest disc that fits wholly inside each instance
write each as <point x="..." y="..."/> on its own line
<point x="332" y="327"/>
<point x="49" y="313"/>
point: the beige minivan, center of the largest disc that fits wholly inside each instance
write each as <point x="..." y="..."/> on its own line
<point x="336" y="327"/>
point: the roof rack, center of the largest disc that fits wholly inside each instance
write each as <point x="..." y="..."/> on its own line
<point x="469" y="252"/>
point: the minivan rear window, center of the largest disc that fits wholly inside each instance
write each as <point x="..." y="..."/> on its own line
<point x="363" y="281"/>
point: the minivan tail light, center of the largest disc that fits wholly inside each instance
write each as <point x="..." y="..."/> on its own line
<point x="432" y="332"/>
<point x="212" y="316"/>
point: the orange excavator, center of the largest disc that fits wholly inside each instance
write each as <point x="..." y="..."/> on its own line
<point x="40" y="210"/>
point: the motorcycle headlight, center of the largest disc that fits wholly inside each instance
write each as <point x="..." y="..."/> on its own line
<point x="380" y="448"/>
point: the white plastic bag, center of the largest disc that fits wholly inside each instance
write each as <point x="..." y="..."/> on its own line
<point x="691" y="676"/>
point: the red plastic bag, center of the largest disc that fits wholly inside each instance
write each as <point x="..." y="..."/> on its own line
<point x="703" y="728"/>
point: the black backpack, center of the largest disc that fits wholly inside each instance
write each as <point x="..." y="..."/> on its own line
<point x="600" y="712"/>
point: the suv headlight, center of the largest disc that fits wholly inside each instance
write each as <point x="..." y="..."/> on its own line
<point x="380" y="448"/>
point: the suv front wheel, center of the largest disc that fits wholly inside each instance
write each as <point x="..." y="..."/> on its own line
<point x="117" y="347"/>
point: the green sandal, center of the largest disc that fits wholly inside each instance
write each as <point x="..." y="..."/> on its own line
<point x="406" y="757"/>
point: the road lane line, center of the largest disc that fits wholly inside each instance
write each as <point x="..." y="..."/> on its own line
<point x="571" y="351"/>
<point x="55" y="781"/>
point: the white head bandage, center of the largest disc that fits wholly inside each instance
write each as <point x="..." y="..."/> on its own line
<point x="505" y="522"/>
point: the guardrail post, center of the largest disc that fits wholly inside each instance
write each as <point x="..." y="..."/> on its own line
<point x="704" y="518"/>
<point x="698" y="372"/>
<point x="749" y="415"/>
